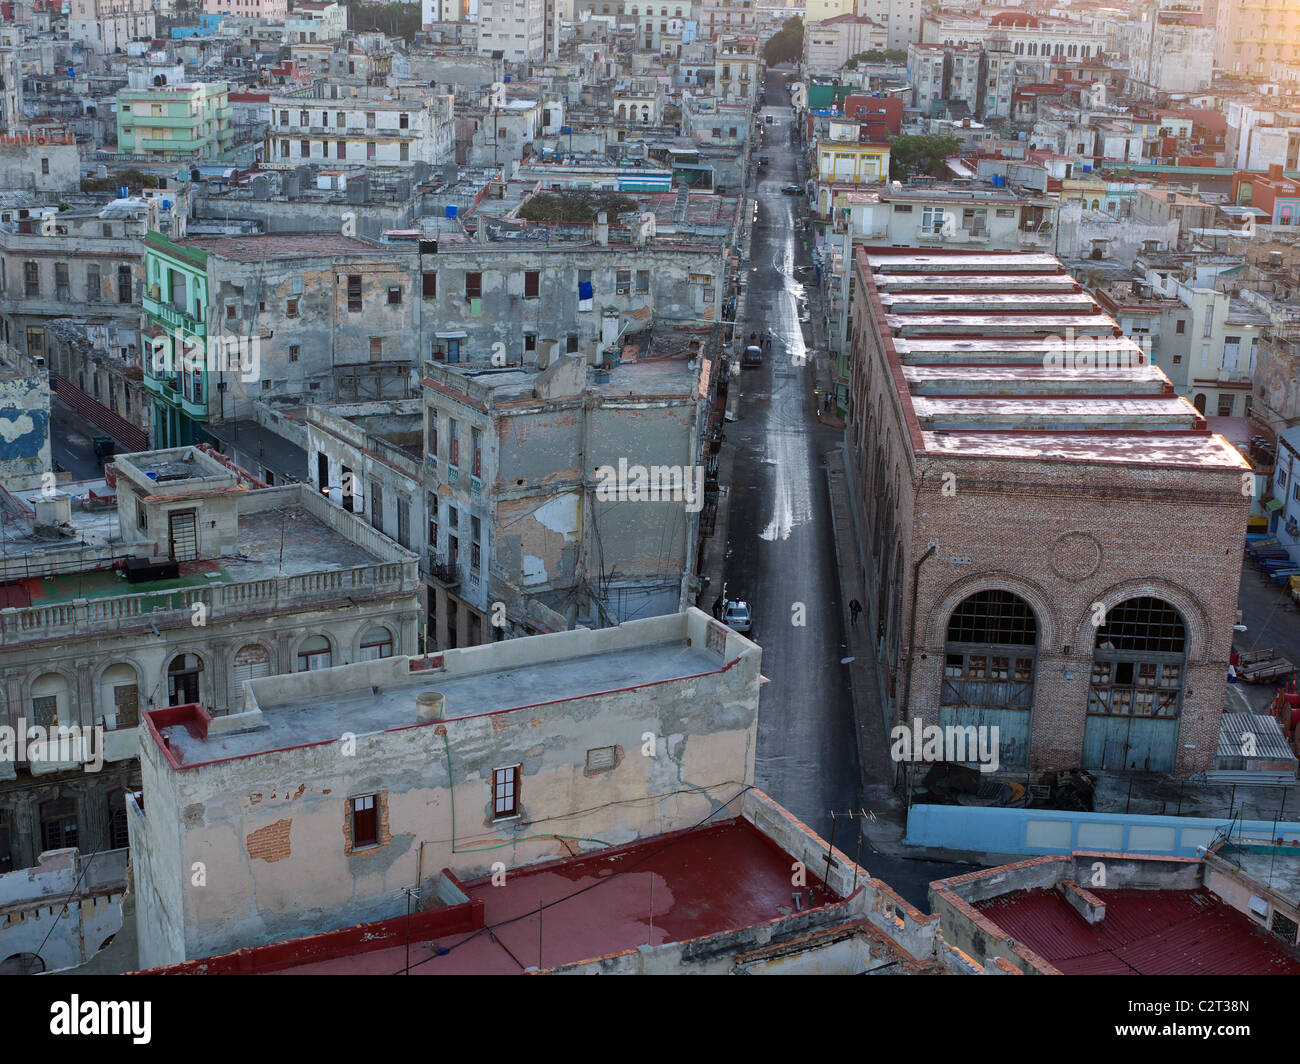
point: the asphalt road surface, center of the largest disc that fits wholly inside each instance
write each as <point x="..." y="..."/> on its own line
<point x="780" y="549"/>
<point x="781" y="557"/>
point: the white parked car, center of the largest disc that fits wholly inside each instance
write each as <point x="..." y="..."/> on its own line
<point x="736" y="617"/>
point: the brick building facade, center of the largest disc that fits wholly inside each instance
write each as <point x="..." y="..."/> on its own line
<point x="1052" y="543"/>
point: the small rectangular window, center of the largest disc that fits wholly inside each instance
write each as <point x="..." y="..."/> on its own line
<point x="429" y="285"/>
<point x="291" y="308"/>
<point x="354" y="292"/>
<point x="365" y="821"/>
<point x="473" y="285"/>
<point x="532" y="283"/>
<point x="505" y="792"/>
<point x="394" y="295"/>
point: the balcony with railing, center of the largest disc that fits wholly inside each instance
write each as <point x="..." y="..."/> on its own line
<point x="440" y="571"/>
<point x="297" y="552"/>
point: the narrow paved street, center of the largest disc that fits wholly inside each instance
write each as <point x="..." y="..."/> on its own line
<point x="780" y="539"/>
<point x="780" y="551"/>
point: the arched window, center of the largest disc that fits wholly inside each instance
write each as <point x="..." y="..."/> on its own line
<point x="315" y="654"/>
<point x="183" y="679"/>
<point x="252" y="661"/>
<point x="22" y="964"/>
<point x="1135" y="692"/>
<point x="376" y="643"/>
<point x="988" y="670"/>
<point x="119" y="696"/>
<point x="50" y="700"/>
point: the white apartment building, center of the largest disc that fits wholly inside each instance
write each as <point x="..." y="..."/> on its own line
<point x="104" y="26"/>
<point x="273" y="10"/>
<point x="829" y="44"/>
<point x="1028" y="35"/>
<point x="655" y="21"/>
<point x="901" y="19"/>
<point x="515" y="28"/>
<point x="1168" y="55"/>
<point x="1259" y="138"/>
<point x="315" y="20"/>
<point x="360" y="130"/>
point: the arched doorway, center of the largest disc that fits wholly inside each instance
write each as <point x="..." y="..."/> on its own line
<point x="183" y="679"/>
<point x="1199" y="402"/>
<point x="988" y="670"/>
<point x="1136" y="691"/>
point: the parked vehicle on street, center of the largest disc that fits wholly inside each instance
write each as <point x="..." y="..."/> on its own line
<point x="753" y="356"/>
<point x="736" y="616"/>
<point x="792" y="190"/>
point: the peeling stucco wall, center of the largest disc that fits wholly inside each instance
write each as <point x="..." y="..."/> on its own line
<point x="704" y="732"/>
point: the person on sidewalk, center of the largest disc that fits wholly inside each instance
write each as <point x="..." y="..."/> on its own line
<point x="717" y="608"/>
<point x="855" y="607"/>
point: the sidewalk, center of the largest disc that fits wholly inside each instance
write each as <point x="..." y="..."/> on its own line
<point x="713" y="567"/>
<point x="877" y="767"/>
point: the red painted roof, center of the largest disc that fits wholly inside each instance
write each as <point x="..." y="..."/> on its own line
<point x="1145" y="932"/>
<point x="701" y="882"/>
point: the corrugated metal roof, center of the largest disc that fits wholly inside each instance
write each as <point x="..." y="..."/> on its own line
<point x="1145" y="932"/>
<point x="1269" y="742"/>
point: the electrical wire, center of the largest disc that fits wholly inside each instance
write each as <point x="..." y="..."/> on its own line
<point x="71" y="894"/>
<point x="489" y="928"/>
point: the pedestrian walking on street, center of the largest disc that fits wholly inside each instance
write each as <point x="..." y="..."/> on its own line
<point x="855" y="607"/>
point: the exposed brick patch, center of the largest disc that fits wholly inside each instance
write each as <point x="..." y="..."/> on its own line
<point x="270" y="843"/>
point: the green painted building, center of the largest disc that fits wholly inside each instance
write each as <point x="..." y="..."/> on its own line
<point x="173" y="122"/>
<point x="174" y="314"/>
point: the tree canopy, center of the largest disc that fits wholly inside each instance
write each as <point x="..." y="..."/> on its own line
<point x="923" y="154"/>
<point x="875" y="55"/>
<point x="396" y="20"/>
<point x="576" y="206"/>
<point x="786" y="45"/>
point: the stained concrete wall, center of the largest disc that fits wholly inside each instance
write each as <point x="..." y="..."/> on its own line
<point x="21" y="167"/>
<point x="276" y="825"/>
<point x="504" y="314"/>
<point x="24" y="431"/>
<point x="299" y="352"/>
<point x="32" y="915"/>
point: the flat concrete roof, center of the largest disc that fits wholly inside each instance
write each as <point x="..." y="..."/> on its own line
<point x="286" y="541"/>
<point x="1142" y="448"/>
<point x="370" y="709"/>
<point x="1082" y="411"/>
<point x="1004" y="356"/>
<point x="1044" y="380"/>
